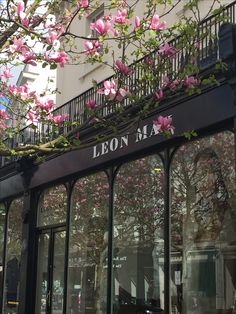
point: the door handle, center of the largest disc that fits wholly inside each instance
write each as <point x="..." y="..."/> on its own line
<point x="49" y="298"/>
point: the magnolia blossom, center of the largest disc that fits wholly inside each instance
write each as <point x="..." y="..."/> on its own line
<point x="159" y="95"/>
<point x="137" y="22"/>
<point x="166" y="82"/>
<point x="52" y="37"/>
<point x="59" y="57"/>
<point x="20" y="11"/>
<point x="121" y="17"/>
<point x="20" y="8"/>
<point x="21" y="91"/>
<point x="28" y="57"/>
<point x="164" y="124"/>
<point x="112" y="91"/>
<point x="46" y="104"/>
<point x="33" y="117"/>
<point x="83" y="4"/>
<point x="156" y="24"/>
<point x="18" y="44"/>
<point x="92" y="47"/>
<point x="191" y="82"/>
<point x="174" y="84"/>
<point x="122" y="93"/>
<point x="167" y="50"/>
<point x="91" y="103"/>
<point x="123" y="68"/>
<point x="3" y="114"/>
<point x="101" y="27"/>
<point x="59" y="118"/>
<point x="149" y="61"/>
<point x="6" y="73"/>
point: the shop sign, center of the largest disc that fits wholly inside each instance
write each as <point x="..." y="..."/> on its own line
<point x="119" y="142"/>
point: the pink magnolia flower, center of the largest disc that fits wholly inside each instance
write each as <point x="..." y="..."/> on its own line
<point x="92" y="47"/>
<point x="156" y="24"/>
<point x="33" y="117"/>
<point x="83" y="4"/>
<point x="52" y="36"/>
<point x="91" y="103"/>
<point x="3" y="114"/>
<point x="6" y="73"/>
<point x="123" y="68"/>
<point x="197" y="45"/>
<point x="59" y="118"/>
<point x="18" y="44"/>
<point x="25" y="21"/>
<point x="174" y="84"/>
<point x="122" y="93"/>
<point x="20" y="8"/>
<point x="20" y="11"/>
<point x="59" y="57"/>
<point x="165" y="81"/>
<point x="121" y="17"/>
<point x="164" y="124"/>
<point x="101" y="27"/>
<point x="137" y="22"/>
<point x="159" y="95"/>
<point x="149" y="61"/>
<point x="110" y="89"/>
<point x="28" y="57"/>
<point x="191" y="82"/>
<point x="22" y="91"/>
<point x="167" y="50"/>
<point x="46" y="104"/>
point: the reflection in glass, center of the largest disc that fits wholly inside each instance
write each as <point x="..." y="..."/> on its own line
<point x="42" y="274"/>
<point x="138" y="254"/>
<point x="52" y="206"/>
<point x="87" y="273"/>
<point x="2" y="233"/>
<point x="13" y="255"/>
<point x="58" y="272"/>
<point x="203" y="235"/>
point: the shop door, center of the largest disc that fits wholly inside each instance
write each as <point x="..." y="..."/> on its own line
<point x="50" y="271"/>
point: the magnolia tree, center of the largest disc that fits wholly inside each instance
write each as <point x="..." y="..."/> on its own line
<point x="39" y="33"/>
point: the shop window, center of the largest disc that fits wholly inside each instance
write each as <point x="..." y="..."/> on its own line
<point x="2" y="241"/>
<point x="138" y="248"/>
<point x="203" y="233"/>
<point x="87" y="272"/>
<point x="13" y="257"/>
<point x="52" y="207"/>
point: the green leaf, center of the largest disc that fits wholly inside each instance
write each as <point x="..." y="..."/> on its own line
<point x="53" y="66"/>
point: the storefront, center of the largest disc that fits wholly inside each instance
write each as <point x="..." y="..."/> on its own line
<point x="137" y="224"/>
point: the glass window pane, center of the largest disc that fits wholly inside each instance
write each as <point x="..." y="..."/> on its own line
<point x="87" y="273"/>
<point x="138" y="254"/>
<point x="58" y="272"/>
<point x="2" y="233"/>
<point x="42" y="274"/>
<point x="203" y="256"/>
<point x="13" y="256"/>
<point x="52" y="206"/>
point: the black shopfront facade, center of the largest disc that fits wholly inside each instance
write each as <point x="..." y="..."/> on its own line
<point x="137" y="224"/>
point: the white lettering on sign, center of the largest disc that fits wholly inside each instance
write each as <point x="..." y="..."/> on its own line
<point x="141" y="134"/>
<point x="110" y="146"/>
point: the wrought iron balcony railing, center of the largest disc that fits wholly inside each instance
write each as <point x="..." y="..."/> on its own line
<point x="75" y="108"/>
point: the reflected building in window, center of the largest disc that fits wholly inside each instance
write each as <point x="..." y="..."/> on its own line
<point x="203" y="227"/>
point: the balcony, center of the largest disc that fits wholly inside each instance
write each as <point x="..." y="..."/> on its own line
<point x="209" y="54"/>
